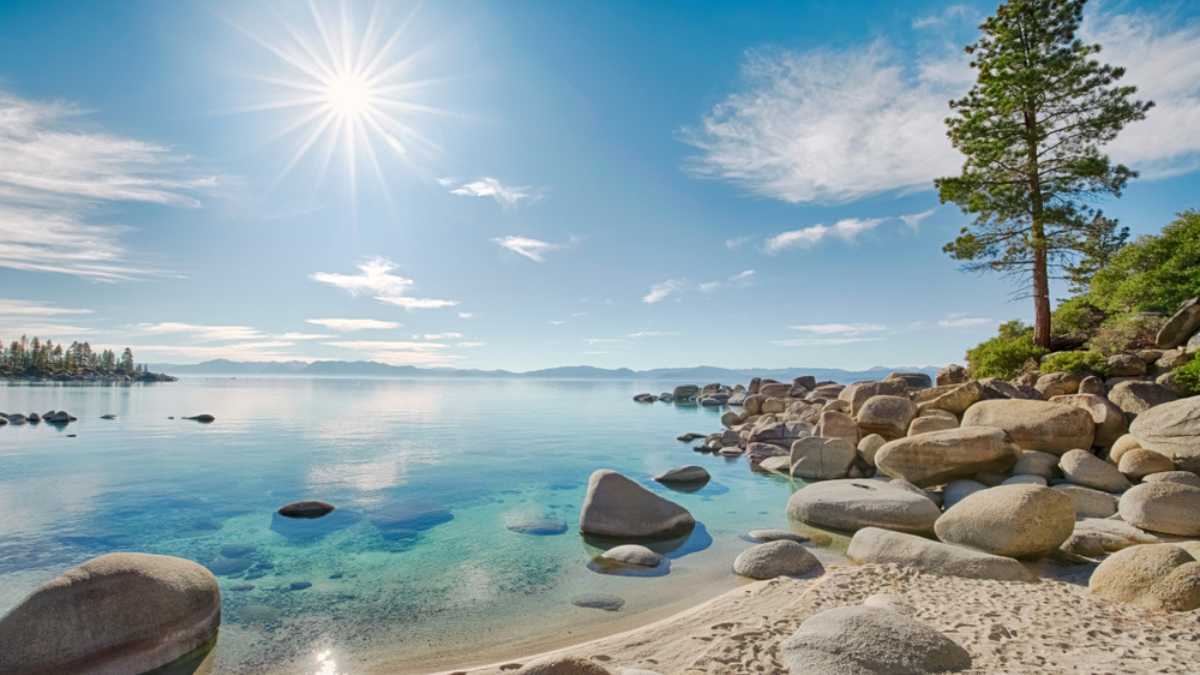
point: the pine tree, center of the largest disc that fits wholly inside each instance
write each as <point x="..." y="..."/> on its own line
<point x="1031" y="130"/>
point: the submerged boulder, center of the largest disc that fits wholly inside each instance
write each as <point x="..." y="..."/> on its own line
<point x="616" y="506"/>
<point x="119" y="613"/>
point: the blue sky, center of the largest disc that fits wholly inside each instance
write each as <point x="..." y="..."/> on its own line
<point x="539" y="183"/>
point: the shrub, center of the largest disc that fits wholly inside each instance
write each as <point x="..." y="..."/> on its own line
<point x="1075" y="316"/>
<point x="1187" y="377"/>
<point x="1126" y="332"/>
<point x="1155" y="273"/>
<point x="1005" y="355"/>
<point x="1084" y="363"/>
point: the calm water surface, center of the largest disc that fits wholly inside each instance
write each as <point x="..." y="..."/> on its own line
<point x="417" y="565"/>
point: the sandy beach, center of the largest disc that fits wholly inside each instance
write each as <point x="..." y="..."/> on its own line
<point x="1050" y="626"/>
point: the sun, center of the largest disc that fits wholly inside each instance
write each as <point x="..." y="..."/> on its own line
<point x="344" y="87"/>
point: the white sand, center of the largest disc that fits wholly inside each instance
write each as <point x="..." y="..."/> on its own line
<point x="1052" y="626"/>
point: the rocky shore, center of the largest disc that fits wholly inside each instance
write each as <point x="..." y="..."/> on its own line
<point x="92" y="378"/>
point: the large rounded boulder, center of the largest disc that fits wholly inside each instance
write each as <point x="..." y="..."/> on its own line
<point x="1017" y="521"/>
<point x="875" y="545"/>
<point x="617" y="507"/>
<point x="119" y="613"/>
<point x="816" y="458"/>
<point x="1109" y="419"/>
<point x="773" y="559"/>
<point x="1035" y="425"/>
<point x="938" y="457"/>
<point x="1155" y="576"/>
<point x="1172" y="429"/>
<point x="866" y="640"/>
<point x="888" y="416"/>
<point x="1167" y="507"/>
<point x="852" y="504"/>
<point x="1083" y="468"/>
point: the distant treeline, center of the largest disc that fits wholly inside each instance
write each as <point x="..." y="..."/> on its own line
<point x="43" y="359"/>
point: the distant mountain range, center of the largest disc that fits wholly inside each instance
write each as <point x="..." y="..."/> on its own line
<point x="695" y="374"/>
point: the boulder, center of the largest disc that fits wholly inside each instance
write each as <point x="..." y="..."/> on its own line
<point x="632" y="554"/>
<point x="1058" y="384"/>
<point x="1092" y="385"/>
<point x="564" y="665"/>
<point x="1035" y="425"/>
<point x="1109" y="419"/>
<point x="1017" y="521"/>
<point x="852" y="504"/>
<point x="1083" y="468"/>
<point x="1167" y="507"/>
<point x="306" y="509"/>
<point x="770" y="534"/>
<point x="776" y="558"/>
<point x="1024" y="479"/>
<point x="774" y="405"/>
<point x="857" y="394"/>
<point x="1183" y="477"/>
<point x="1089" y="502"/>
<point x="1182" y="325"/>
<point x="775" y="390"/>
<point x="1172" y="359"/>
<point x="1172" y="429"/>
<point x="684" y="474"/>
<point x="1154" y="576"/>
<point x="838" y="425"/>
<point x="684" y="392"/>
<point x="957" y="490"/>
<point x="865" y="640"/>
<point x="1097" y="537"/>
<point x="1037" y="463"/>
<point x="604" y="601"/>
<point x="888" y="416"/>
<point x="1136" y="396"/>
<point x="616" y="506"/>
<point x="1121" y="446"/>
<point x="807" y="382"/>
<point x="911" y="380"/>
<point x="1139" y="462"/>
<point x="1126" y="365"/>
<point x="776" y="464"/>
<point x="644" y="398"/>
<point x="930" y="423"/>
<point x="952" y="374"/>
<point x="815" y="458"/>
<point x="955" y="400"/>
<point x="753" y="404"/>
<point x="868" y="446"/>
<point x="941" y="456"/>
<point x="875" y="545"/>
<point x="203" y="418"/>
<point x="730" y="419"/>
<point x="119" y="613"/>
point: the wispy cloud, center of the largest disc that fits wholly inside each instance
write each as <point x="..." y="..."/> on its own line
<point x="439" y="336"/>
<point x="505" y="195"/>
<point x="466" y="315"/>
<point x="200" y="332"/>
<point x="303" y="336"/>
<point x="914" y="220"/>
<point x="11" y="330"/>
<point x="470" y="344"/>
<point x="260" y="350"/>
<point x="605" y="341"/>
<point x="847" y="229"/>
<point x="739" y="280"/>
<point x="56" y="177"/>
<point x="534" y="249"/>
<point x="844" y="329"/>
<point x="388" y="345"/>
<point x="351" y="325"/>
<point x="32" y="308"/>
<point x="964" y="321"/>
<point x="663" y="290"/>
<point x="375" y="278"/>
<point x="823" y="341"/>
<point x="949" y="14"/>
<point x="653" y="333"/>
<point x="400" y="352"/>
<point x="737" y="242"/>
<point x="556" y="322"/>
<point x="833" y="126"/>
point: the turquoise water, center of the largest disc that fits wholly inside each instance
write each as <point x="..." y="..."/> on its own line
<point x="417" y="567"/>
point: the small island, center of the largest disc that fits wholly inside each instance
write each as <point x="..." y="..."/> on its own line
<point x="37" y="360"/>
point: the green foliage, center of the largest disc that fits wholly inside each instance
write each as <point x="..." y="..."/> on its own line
<point x="1084" y="363"/>
<point x="1126" y="332"/>
<point x="42" y="358"/>
<point x="1155" y="273"/>
<point x="1076" y="315"/>
<point x="1099" y="240"/>
<point x="1006" y="355"/>
<point x="1031" y="130"/>
<point x="1187" y="377"/>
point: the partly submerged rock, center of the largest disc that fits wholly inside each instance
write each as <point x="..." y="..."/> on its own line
<point x="632" y="554"/>
<point x="119" y="613"/>
<point x="684" y="474"/>
<point x="204" y="418"/>
<point x="616" y="506"/>
<point x="306" y="509"/>
<point x="769" y="534"/>
<point x="867" y="641"/>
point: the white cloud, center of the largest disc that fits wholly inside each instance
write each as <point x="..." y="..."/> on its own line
<point x="33" y="308"/>
<point x="505" y="195"/>
<point x="439" y="336"/>
<point x="653" y="333"/>
<point x="466" y="315"/>
<point x="470" y="344"/>
<point x="534" y="249"/>
<point x="11" y="331"/>
<point x="844" y="329"/>
<point x="739" y="280"/>
<point x="350" y="325"/>
<point x="303" y="336"/>
<point x="387" y="345"/>
<point x="375" y="278"/>
<point x="914" y="220"/>
<point x="947" y="15"/>
<point x="200" y="332"/>
<point x="400" y="352"/>
<point x="556" y="322"/>
<point x="963" y="321"/>
<point x="835" y="126"/>
<point x="846" y="229"/>
<point x="663" y="290"/>
<point x="736" y="242"/>
<point x="605" y="341"/>
<point x="56" y="177"/>
<point x="823" y="342"/>
<point x="265" y="350"/>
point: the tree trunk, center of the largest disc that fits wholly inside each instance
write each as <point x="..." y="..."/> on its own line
<point x="1041" y="280"/>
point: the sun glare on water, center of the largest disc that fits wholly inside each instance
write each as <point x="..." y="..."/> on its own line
<point x="343" y="88"/>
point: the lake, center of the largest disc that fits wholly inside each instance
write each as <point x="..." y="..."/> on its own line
<point x="417" y="569"/>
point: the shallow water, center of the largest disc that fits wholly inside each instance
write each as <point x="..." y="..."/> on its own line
<point x="417" y="564"/>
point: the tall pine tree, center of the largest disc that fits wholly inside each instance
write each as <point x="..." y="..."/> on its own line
<point x="1031" y="130"/>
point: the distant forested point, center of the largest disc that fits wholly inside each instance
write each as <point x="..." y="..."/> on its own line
<point x="37" y="359"/>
